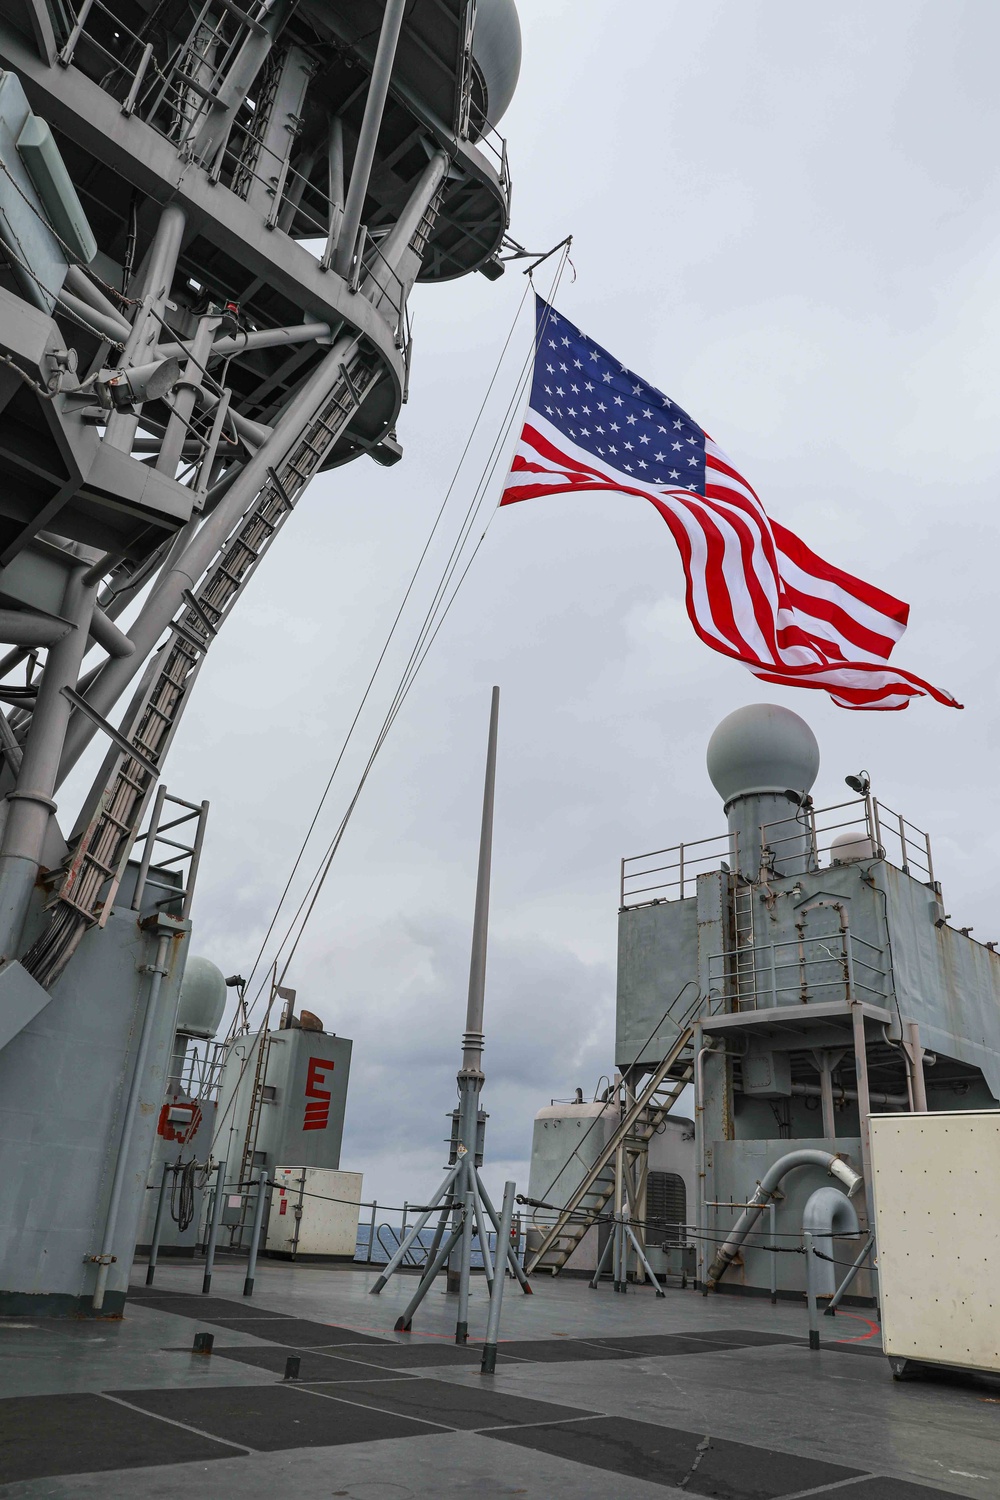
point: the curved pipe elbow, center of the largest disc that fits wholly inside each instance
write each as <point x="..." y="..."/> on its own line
<point x="827" y="1213"/>
<point x="808" y="1156"/>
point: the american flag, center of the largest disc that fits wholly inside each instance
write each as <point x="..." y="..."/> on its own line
<point x="754" y="591"/>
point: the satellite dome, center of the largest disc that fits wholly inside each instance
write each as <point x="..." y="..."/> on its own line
<point x="203" y="998"/>
<point x="496" y="53"/>
<point x="762" y="749"/>
<point x="849" y="847"/>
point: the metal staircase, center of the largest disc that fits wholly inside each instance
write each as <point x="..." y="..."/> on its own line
<point x="631" y="1138"/>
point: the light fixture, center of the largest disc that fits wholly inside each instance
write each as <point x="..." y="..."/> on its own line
<point x="860" y="783"/>
<point x="120" y="390"/>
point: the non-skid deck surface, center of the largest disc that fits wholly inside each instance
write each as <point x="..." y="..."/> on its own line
<point x="356" y="1388"/>
<point x="269" y="1417"/>
<point x="79" y="1432"/>
<point x="689" y="1460"/>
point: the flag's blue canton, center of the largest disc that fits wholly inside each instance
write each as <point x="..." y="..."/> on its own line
<point x="610" y="412"/>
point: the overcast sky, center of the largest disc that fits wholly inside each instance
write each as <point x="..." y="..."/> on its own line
<point x="785" y="216"/>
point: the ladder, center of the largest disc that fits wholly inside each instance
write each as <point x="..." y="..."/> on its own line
<point x="98" y="859"/>
<point x="744" y="958"/>
<point x="639" y="1122"/>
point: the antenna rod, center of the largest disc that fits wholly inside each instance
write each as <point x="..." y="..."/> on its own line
<point x="472" y="1042"/>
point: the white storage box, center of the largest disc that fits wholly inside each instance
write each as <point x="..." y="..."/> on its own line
<point x="937" y="1217"/>
<point x="314" y="1212"/>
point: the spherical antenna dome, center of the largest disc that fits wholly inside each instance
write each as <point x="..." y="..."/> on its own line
<point x="202" y="1000"/>
<point x="850" y="846"/>
<point x="762" y="748"/>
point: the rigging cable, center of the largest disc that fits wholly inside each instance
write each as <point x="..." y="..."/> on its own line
<point x="433" y="620"/>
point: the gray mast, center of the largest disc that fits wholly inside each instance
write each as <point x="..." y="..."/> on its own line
<point x="462" y="1196"/>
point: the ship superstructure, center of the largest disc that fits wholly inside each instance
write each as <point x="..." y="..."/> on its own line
<point x="798" y="974"/>
<point x="211" y="220"/>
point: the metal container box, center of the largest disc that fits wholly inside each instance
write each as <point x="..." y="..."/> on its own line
<point x="314" y="1212"/>
<point x="300" y="1113"/>
<point x="937" y="1217"/>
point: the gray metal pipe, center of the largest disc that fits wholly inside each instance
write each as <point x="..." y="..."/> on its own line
<point x="411" y="1238"/>
<point x="31" y="803"/>
<point x="184" y="396"/>
<point x="465" y="1271"/>
<point x="156" y="972"/>
<point x="213" y="1228"/>
<point x="856" y="1265"/>
<point x="257" y="338"/>
<point x="115" y="329"/>
<point x="875" y="1096"/>
<point x="258" y="1219"/>
<point x="489" y="1362"/>
<point x="364" y="156"/>
<point x="335" y="190"/>
<point x="828" y="1211"/>
<point x="473" y="1040"/>
<point x="22" y="627"/>
<point x="106" y="634"/>
<point x="81" y="286"/>
<point x="140" y="345"/>
<point x="766" y="1190"/>
<point x="154" y="1242"/>
<point x="186" y="570"/>
<point x="397" y="241"/>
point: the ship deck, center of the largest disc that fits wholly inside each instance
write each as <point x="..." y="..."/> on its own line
<point x="595" y="1394"/>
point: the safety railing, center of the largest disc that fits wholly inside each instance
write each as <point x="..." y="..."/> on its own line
<point x="174" y="93"/>
<point x="862" y="828"/>
<point x="812" y="839"/>
<point x="487" y="139"/>
<point x="798" y="970"/>
<point x="155" y="861"/>
<point x="378" y="1242"/>
<point x="201" y="1076"/>
<point x="672" y="873"/>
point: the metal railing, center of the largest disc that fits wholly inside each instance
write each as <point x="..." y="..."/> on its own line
<point x="174" y="96"/>
<point x="679" y="866"/>
<point x="201" y="1076"/>
<point x="808" y="839"/>
<point x="155" y="861"/>
<point x="799" y="970"/>
<point x="874" y="831"/>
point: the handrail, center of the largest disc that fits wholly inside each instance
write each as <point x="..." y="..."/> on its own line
<point x="892" y="837"/>
<point x="390" y="1251"/>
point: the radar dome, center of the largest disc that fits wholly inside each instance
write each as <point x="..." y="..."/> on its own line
<point x="760" y="749"/>
<point x="848" y="847"/>
<point x="203" y="998"/>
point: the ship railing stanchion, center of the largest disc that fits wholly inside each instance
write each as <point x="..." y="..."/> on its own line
<point x="489" y="1363"/>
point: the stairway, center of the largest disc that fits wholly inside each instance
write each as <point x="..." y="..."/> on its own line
<point x="651" y="1105"/>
